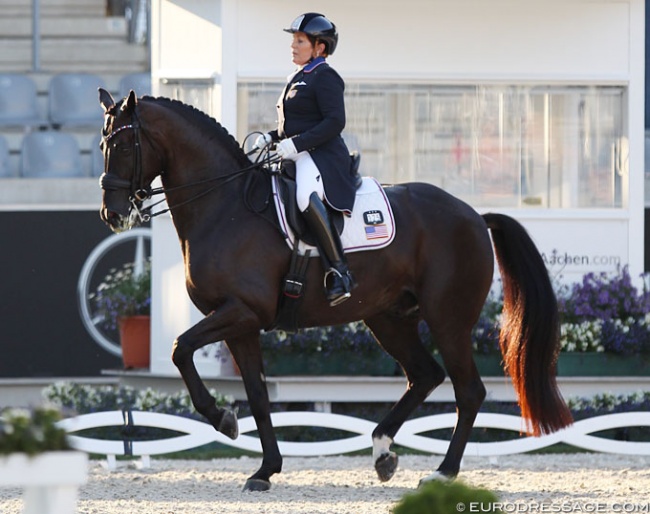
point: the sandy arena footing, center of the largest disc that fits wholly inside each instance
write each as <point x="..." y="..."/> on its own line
<point x="583" y="482"/>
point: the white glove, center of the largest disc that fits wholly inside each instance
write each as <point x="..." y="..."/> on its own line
<point x="286" y="149"/>
<point x="263" y="140"/>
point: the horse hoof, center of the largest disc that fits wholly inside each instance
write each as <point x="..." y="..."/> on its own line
<point x="228" y="425"/>
<point x="386" y="465"/>
<point x="435" y="477"/>
<point x="257" y="485"/>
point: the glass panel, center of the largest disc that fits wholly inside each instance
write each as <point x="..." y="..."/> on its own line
<point x="196" y="92"/>
<point x="493" y="146"/>
<point x="602" y="161"/>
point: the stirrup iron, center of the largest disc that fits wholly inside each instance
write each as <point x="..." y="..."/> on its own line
<point x="346" y="281"/>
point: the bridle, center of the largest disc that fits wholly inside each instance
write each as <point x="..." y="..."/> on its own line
<point x="139" y="192"/>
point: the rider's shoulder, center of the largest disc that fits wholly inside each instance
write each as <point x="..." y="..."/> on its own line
<point x="326" y="72"/>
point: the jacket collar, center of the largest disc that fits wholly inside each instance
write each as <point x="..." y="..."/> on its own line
<point x="313" y="64"/>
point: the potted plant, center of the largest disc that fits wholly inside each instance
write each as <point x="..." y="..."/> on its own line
<point x="123" y="300"/>
<point x="34" y="454"/>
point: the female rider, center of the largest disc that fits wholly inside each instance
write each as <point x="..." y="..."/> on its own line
<point x="311" y="117"/>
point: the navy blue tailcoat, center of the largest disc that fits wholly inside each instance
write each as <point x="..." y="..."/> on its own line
<point x="311" y="109"/>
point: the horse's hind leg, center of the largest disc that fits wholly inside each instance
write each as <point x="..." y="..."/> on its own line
<point x="399" y="337"/>
<point x="455" y="347"/>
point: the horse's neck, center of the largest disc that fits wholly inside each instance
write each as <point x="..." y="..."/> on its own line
<point x="199" y="199"/>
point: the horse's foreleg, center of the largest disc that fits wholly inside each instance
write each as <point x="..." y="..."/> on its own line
<point x="228" y="320"/>
<point x="248" y="356"/>
<point x="400" y="338"/>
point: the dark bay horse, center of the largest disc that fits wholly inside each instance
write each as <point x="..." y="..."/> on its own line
<point x="438" y="269"/>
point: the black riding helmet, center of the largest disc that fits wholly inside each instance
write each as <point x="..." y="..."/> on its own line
<point x="316" y="26"/>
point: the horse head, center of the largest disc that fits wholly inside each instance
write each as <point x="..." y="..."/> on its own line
<point x="129" y="165"/>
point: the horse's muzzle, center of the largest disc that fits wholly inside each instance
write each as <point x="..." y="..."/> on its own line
<point x="115" y="221"/>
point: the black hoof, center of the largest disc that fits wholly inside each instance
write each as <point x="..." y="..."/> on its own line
<point x="257" y="485"/>
<point x="228" y="425"/>
<point x="386" y="465"/>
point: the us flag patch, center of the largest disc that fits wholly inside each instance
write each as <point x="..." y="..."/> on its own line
<point x="376" y="232"/>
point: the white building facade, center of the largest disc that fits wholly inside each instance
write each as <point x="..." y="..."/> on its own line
<point x="533" y="109"/>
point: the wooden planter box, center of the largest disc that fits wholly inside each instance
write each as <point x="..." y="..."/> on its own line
<point x="578" y="364"/>
<point x="590" y="364"/>
<point x="570" y="364"/>
<point x="50" y="480"/>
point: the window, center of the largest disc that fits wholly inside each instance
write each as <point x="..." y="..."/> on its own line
<point x="491" y="145"/>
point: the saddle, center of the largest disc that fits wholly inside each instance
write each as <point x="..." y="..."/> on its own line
<point x="287" y="191"/>
<point x="370" y="227"/>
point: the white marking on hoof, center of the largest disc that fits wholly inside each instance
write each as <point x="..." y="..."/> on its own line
<point x="380" y="446"/>
<point x="435" y="477"/>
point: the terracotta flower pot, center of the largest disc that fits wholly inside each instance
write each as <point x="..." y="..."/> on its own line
<point x="135" y="339"/>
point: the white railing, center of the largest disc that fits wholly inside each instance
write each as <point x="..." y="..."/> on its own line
<point x="196" y="433"/>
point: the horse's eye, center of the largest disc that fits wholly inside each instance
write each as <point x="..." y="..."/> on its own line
<point x="121" y="148"/>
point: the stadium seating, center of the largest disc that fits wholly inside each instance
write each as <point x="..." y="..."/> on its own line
<point x="138" y="82"/>
<point x="18" y="101"/>
<point x="72" y="100"/>
<point x="96" y="158"/>
<point x="51" y="154"/>
<point x="5" y="166"/>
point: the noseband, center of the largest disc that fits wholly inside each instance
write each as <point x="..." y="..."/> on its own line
<point x="138" y="192"/>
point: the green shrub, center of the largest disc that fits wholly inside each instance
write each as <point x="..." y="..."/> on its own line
<point x="31" y="431"/>
<point x="438" y="497"/>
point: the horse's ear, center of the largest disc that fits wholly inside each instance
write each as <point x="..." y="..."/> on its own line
<point x="105" y="99"/>
<point x="129" y="105"/>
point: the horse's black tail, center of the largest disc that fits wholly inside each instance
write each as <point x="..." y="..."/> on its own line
<point x="530" y="332"/>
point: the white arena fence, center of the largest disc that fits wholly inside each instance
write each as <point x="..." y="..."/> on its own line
<point x="197" y="433"/>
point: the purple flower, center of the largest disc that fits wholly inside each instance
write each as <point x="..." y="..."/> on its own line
<point x="123" y="293"/>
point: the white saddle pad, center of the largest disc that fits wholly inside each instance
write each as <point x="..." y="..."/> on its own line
<point x="370" y="227"/>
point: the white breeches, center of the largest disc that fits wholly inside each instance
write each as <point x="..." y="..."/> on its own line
<point x="308" y="180"/>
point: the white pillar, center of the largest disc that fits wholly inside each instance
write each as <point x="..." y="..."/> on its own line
<point x="186" y="64"/>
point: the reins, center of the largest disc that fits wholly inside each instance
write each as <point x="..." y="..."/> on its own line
<point x="147" y="215"/>
<point x="139" y="193"/>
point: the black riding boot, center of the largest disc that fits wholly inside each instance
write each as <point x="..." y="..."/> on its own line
<point x="338" y="280"/>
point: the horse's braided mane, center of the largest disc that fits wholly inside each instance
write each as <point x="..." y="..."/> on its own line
<point x="197" y="116"/>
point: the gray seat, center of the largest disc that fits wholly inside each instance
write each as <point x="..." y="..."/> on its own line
<point x="18" y="101"/>
<point x="138" y="82"/>
<point x="51" y="154"/>
<point x="73" y="100"/>
<point x="6" y="170"/>
<point x="96" y="157"/>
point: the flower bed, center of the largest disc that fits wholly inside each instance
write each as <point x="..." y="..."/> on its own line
<point x="338" y="350"/>
<point x="85" y="399"/>
<point x="605" y="330"/>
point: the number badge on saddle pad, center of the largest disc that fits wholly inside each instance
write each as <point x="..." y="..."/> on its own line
<point x="375" y="226"/>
